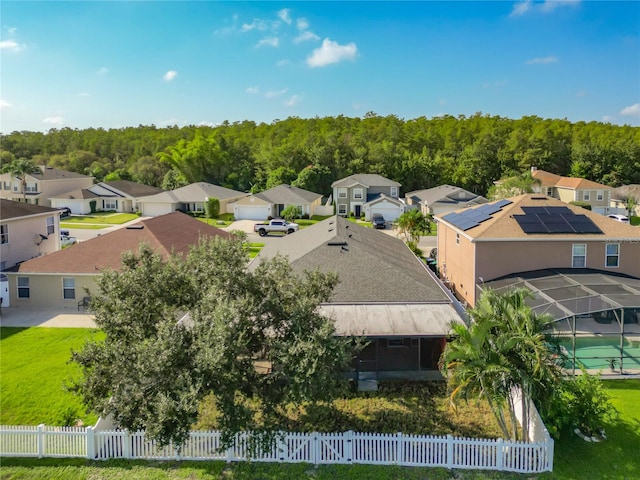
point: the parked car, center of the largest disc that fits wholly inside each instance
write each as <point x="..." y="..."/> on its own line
<point x="619" y="218"/>
<point x="378" y="221"/>
<point x="276" y="225"/>
<point x="66" y="240"/>
<point x="66" y="212"/>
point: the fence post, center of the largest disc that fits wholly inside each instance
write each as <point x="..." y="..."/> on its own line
<point x="549" y="448"/>
<point x="41" y="440"/>
<point x="315" y="455"/>
<point x="230" y="449"/>
<point x="500" y="454"/>
<point x="90" y="436"/>
<point x="400" y="449"/>
<point x="126" y="445"/>
<point x="348" y="448"/>
<point x="449" y="452"/>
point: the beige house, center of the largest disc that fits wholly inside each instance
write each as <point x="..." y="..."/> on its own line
<point x="43" y="185"/>
<point x="442" y="199"/>
<point x="60" y="280"/>
<point x="272" y="202"/>
<point x="569" y="189"/>
<point x="530" y="232"/>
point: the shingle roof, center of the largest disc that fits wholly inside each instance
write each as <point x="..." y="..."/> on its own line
<point x="50" y="173"/>
<point x="444" y="193"/>
<point x="502" y="225"/>
<point x="76" y="194"/>
<point x="10" y="209"/>
<point x="195" y="192"/>
<point x="625" y="190"/>
<point x="171" y="232"/>
<point x="373" y="267"/>
<point x="288" y="195"/>
<point x="366" y="179"/>
<point x="133" y="189"/>
<point x="548" y="179"/>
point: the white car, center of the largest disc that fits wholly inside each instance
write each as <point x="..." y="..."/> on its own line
<point x="619" y="218"/>
<point x="66" y="240"/>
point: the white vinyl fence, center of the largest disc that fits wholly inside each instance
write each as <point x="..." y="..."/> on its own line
<point x="314" y="448"/>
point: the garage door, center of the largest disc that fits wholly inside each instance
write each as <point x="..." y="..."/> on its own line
<point x="155" y="209"/>
<point x="390" y="213"/>
<point x="251" y="212"/>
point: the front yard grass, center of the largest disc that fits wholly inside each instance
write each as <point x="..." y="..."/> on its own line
<point x="99" y="218"/>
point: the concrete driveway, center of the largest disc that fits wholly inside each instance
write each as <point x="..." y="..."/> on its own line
<point x="45" y="317"/>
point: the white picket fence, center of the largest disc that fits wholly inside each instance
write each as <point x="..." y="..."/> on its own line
<point x="315" y="448"/>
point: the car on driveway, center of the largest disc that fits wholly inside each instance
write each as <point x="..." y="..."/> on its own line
<point x="378" y="221"/>
<point x="619" y="218"/>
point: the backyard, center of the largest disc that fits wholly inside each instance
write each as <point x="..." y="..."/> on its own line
<point x="411" y="408"/>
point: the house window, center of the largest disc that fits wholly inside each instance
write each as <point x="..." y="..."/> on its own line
<point x="550" y="192"/>
<point x="358" y="193"/>
<point x="600" y="195"/>
<point x="342" y="209"/>
<point x="579" y="255"/>
<point x="586" y="195"/>
<point x="110" y="204"/>
<point x="342" y="193"/>
<point x="457" y="239"/>
<point x="395" y="342"/>
<point x="23" y="287"/>
<point x="16" y="186"/>
<point x="612" y="255"/>
<point x="7" y="185"/>
<point x="68" y="288"/>
<point x="31" y="187"/>
<point x="51" y="228"/>
<point x="393" y="191"/>
<point x="4" y="234"/>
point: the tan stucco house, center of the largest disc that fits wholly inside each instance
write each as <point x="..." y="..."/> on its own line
<point x="59" y="280"/>
<point x="42" y="185"/>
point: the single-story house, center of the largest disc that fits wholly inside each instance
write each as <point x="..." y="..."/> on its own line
<point x="443" y="199"/>
<point x="190" y="198"/>
<point x="59" y="280"/>
<point x="272" y="202"/>
<point x="385" y="293"/>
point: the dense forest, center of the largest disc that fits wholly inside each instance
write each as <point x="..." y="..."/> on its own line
<point x="470" y="152"/>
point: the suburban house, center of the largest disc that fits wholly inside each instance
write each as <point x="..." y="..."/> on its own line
<point x="442" y="199"/>
<point x="367" y="194"/>
<point x="117" y="196"/>
<point x="385" y="293"/>
<point x="619" y="199"/>
<point x="569" y="189"/>
<point x="272" y="202"/>
<point x="581" y="267"/>
<point x="26" y="231"/>
<point x="42" y="185"/>
<point x="190" y="198"/>
<point x="59" y="280"/>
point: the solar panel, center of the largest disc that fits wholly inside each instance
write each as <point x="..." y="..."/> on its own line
<point x="559" y="211"/>
<point x="503" y="203"/>
<point x="535" y="210"/>
<point x="530" y="224"/>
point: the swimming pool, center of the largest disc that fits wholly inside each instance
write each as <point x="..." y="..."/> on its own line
<point x="594" y="353"/>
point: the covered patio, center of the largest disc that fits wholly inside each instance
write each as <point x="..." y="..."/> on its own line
<point x="597" y="314"/>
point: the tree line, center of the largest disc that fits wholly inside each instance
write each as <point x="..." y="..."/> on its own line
<point x="468" y="151"/>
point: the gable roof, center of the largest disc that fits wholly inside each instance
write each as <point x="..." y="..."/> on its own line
<point x="171" y="232"/>
<point x="624" y="191"/>
<point x="195" y="192"/>
<point x="372" y="266"/>
<point x="445" y="194"/>
<point x="380" y="197"/>
<point x="503" y="225"/>
<point x="366" y="179"/>
<point x="548" y="179"/>
<point x="133" y="189"/>
<point x="80" y="194"/>
<point x="50" y="173"/>
<point x="10" y="210"/>
<point x="288" y="195"/>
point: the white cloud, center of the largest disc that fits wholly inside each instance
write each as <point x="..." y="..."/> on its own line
<point x="170" y="75"/>
<point x="548" y="6"/>
<point x="294" y="99"/>
<point x="331" y="52"/>
<point x="11" y="30"/>
<point x="56" y="120"/>
<point x="257" y="24"/>
<point x="305" y="36"/>
<point x="631" y="110"/>
<point x="283" y="62"/>
<point x="275" y="93"/>
<point x="103" y="71"/>
<point x="284" y="16"/>
<point x="442" y="101"/>
<point x="268" y="41"/>
<point x="252" y="90"/>
<point x="551" y="5"/>
<point x="302" y="24"/>
<point x="542" y="60"/>
<point x="204" y="123"/>
<point x="521" y="8"/>
<point x="4" y="104"/>
<point x="11" y="45"/>
<point x="84" y="94"/>
<point x="608" y="119"/>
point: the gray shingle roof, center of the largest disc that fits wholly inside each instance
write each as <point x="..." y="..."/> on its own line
<point x="366" y="179"/>
<point x="10" y="209"/>
<point x="288" y="195"/>
<point x="373" y="267"/>
<point x="444" y="193"/>
<point x="133" y="189"/>
<point x="195" y="192"/>
<point x="50" y="173"/>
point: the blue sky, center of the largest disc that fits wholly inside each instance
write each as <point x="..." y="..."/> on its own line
<point x="116" y="64"/>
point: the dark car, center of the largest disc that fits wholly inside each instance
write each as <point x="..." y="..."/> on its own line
<point x="66" y="212"/>
<point x="378" y="221"/>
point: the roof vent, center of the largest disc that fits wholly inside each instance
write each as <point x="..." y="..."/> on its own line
<point x="337" y="243"/>
<point x="135" y="227"/>
<point x="538" y="198"/>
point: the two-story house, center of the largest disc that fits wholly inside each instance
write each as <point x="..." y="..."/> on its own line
<point x="42" y="185"/>
<point x="367" y="194"/>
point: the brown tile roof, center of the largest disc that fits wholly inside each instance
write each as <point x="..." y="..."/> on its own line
<point x="10" y="209"/>
<point x="502" y="225"/>
<point x="171" y="232"/>
<point x="548" y="179"/>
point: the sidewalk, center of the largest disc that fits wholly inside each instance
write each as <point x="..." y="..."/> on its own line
<point x="45" y="317"/>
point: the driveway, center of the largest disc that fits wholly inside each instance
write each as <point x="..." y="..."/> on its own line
<point x="45" y="317"/>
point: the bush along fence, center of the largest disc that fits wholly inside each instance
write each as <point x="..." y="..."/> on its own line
<point x="315" y="448"/>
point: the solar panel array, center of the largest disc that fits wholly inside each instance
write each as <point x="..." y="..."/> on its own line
<point x="554" y="220"/>
<point x="472" y="217"/>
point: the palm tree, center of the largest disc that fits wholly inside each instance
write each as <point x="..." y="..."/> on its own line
<point x="20" y="168"/>
<point x="505" y="347"/>
<point x="630" y="204"/>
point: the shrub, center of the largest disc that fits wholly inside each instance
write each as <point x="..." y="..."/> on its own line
<point x="585" y="205"/>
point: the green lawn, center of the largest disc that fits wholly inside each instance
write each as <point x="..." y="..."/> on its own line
<point x="99" y="218"/>
<point x="33" y="371"/>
